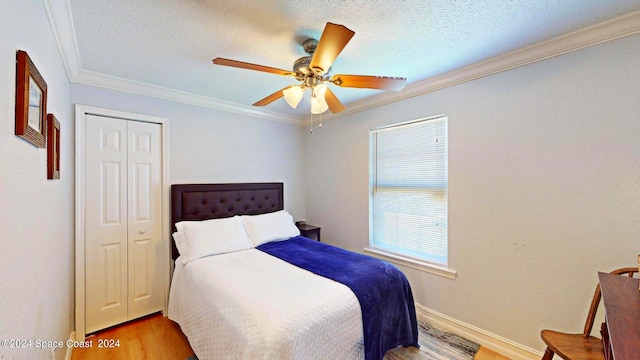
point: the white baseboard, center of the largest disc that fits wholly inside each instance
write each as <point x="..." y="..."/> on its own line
<point x="67" y="355"/>
<point x="491" y="341"/>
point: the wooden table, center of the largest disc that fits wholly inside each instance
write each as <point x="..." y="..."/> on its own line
<point x="309" y="231"/>
<point x="621" y="330"/>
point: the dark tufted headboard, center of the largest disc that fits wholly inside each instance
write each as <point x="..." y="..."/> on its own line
<point x="212" y="201"/>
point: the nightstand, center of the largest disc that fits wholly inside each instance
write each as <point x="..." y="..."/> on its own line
<point x="309" y="231"/>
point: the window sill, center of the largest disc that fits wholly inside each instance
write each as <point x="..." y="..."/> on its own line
<point x="414" y="264"/>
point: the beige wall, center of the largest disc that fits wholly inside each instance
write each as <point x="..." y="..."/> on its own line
<point x="36" y="214"/>
<point x="544" y="188"/>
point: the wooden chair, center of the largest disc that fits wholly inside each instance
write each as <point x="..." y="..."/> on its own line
<point x="580" y="346"/>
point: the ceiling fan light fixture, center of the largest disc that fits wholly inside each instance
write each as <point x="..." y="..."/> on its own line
<point x="293" y="95"/>
<point x="314" y="71"/>
<point x="318" y="101"/>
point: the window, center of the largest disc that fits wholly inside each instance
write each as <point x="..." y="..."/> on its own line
<point x="408" y="190"/>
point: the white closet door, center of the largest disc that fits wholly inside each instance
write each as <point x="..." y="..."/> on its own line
<point x="123" y="221"/>
<point x="105" y="222"/>
<point x="145" y="218"/>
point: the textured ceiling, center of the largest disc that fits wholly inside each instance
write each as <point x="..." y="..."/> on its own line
<point x="170" y="43"/>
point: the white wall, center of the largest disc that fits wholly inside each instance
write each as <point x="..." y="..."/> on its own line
<point x="544" y="170"/>
<point x="544" y="188"/>
<point x="36" y="214"/>
<point x="209" y="146"/>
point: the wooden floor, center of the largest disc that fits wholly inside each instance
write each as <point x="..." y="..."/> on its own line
<point x="153" y="337"/>
<point x="486" y="354"/>
<point x="156" y="337"/>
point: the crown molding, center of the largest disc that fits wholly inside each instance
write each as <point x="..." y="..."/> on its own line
<point x="59" y="14"/>
<point x="120" y="84"/>
<point x="609" y="30"/>
<point x="61" y="22"/>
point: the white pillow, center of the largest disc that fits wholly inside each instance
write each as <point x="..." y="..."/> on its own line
<point x="211" y="237"/>
<point x="270" y="227"/>
<point x="178" y="238"/>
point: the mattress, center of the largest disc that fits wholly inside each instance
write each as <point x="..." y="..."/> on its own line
<point x="250" y="305"/>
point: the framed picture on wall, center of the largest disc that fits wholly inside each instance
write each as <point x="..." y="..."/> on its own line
<point x="31" y="101"/>
<point x="53" y="147"/>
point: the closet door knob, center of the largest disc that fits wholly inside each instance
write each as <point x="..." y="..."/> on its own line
<point x="142" y="231"/>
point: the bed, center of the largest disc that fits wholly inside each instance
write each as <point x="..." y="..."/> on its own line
<point x="288" y="298"/>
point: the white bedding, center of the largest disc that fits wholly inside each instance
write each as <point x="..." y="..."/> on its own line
<point x="250" y="305"/>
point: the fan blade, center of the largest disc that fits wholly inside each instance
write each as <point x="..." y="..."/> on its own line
<point x="249" y="66"/>
<point x="334" y="38"/>
<point x="335" y="106"/>
<point x="369" y="82"/>
<point x="273" y="97"/>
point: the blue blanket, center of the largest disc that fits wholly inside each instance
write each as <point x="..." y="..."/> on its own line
<point x="386" y="301"/>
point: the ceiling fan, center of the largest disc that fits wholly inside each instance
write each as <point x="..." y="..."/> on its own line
<point x="314" y="73"/>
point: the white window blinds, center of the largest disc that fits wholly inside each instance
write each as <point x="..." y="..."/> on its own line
<point x="408" y="189"/>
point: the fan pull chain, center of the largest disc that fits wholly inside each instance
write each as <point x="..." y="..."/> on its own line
<point x="311" y="123"/>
